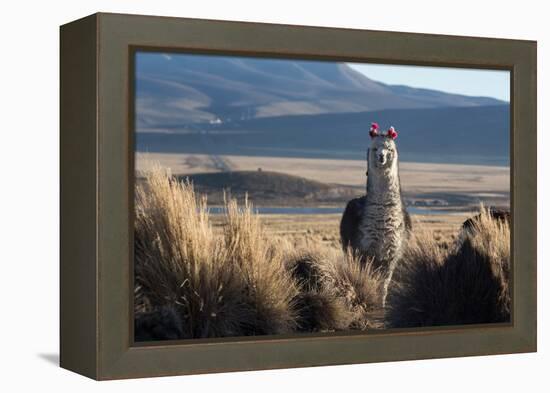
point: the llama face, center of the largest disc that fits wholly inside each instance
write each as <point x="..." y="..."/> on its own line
<point x="382" y="153"/>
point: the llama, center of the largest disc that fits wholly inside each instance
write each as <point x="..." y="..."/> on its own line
<point x="377" y="225"/>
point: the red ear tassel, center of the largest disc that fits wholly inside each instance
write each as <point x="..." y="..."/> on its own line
<point x="391" y="133"/>
<point x="373" y="130"/>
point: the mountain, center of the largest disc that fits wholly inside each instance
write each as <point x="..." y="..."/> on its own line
<point x="469" y="135"/>
<point x="295" y="108"/>
<point x="176" y="90"/>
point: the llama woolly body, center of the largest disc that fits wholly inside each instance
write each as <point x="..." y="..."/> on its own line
<point x="382" y="227"/>
<point x="376" y="226"/>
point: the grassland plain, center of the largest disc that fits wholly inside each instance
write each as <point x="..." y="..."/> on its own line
<point x="303" y="229"/>
<point x="416" y="177"/>
<point x="451" y="191"/>
<point x="197" y="279"/>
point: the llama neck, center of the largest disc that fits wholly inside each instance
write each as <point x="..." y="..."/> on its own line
<point x="383" y="186"/>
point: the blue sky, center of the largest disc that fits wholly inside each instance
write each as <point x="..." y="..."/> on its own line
<point x="471" y="82"/>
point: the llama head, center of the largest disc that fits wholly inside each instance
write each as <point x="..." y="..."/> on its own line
<point x="382" y="153"/>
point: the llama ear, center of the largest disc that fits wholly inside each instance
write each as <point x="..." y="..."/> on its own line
<point x="391" y="133"/>
<point x="373" y="130"/>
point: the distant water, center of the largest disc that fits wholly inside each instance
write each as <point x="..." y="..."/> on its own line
<point x="320" y="210"/>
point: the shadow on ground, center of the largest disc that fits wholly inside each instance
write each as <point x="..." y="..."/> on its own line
<point x="52" y="358"/>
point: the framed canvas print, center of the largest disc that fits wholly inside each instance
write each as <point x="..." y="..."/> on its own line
<point x="241" y="196"/>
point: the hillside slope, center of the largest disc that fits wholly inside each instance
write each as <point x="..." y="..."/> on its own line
<point x="173" y="90"/>
<point x="269" y="188"/>
<point x="468" y="135"/>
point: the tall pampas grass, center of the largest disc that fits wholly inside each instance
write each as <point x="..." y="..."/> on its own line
<point x="269" y="287"/>
<point x="464" y="285"/>
<point x="218" y="286"/>
<point x="179" y="262"/>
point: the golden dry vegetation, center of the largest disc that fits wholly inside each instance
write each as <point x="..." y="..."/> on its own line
<point x="200" y="276"/>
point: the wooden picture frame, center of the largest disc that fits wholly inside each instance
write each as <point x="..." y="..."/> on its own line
<point x="97" y="179"/>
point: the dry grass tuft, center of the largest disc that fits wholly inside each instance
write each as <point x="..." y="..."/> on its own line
<point x="352" y="289"/>
<point x="321" y="310"/>
<point x="361" y="287"/>
<point x="269" y="287"/>
<point x="319" y="306"/>
<point x="219" y="287"/>
<point x="466" y="284"/>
